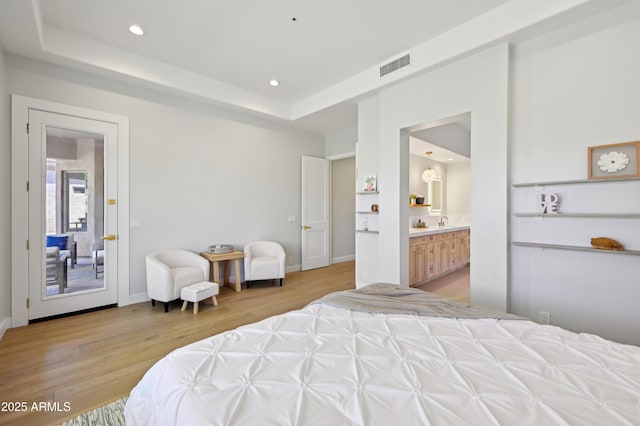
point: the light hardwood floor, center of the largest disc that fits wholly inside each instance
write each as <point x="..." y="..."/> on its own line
<point x="454" y="285"/>
<point x="91" y="359"/>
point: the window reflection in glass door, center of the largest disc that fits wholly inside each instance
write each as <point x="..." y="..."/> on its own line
<point x="76" y="201"/>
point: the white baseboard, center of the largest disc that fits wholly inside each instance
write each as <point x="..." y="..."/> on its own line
<point x="287" y="269"/>
<point x="343" y="259"/>
<point x="4" y="326"/>
<point x="138" y="298"/>
<point x="144" y="297"/>
<point x="292" y="268"/>
<point x="297" y="268"/>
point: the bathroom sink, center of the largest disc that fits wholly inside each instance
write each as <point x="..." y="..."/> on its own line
<point x="450" y="227"/>
<point x="435" y="229"/>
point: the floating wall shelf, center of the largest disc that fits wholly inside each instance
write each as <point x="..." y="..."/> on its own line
<point x="575" y="248"/>
<point x="588" y="215"/>
<point x="571" y="182"/>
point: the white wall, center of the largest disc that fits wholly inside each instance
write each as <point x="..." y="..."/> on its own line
<point x="341" y="141"/>
<point x="198" y="175"/>
<point x="343" y="206"/>
<point x="367" y="165"/>
<point x="572" y="89"/>
<point x="458" y="190"/>
<point x="417" y="165"/>
<point x="445" y="92"/>
<point x="456" y="194"/>
<point x="5" y="194"/>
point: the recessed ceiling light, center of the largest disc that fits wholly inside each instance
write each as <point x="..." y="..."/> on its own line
<point x="136" y="30"/>
<point x="274" y="83"/>
<point x="449" y="159"/>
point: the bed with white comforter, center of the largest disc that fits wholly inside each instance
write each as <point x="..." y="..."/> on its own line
<point x="328" y="365"/>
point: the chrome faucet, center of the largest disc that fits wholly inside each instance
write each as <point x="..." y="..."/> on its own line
<point x="442" y="218"/>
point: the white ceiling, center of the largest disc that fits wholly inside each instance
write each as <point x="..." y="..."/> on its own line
<point x="421" y="142"/>
<point x="246" y="43"/>
<point x="72" y="134"/>
<point x="420" y="148"/>
<point x="227" y="51"/>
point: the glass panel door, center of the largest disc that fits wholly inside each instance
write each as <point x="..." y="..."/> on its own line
<point x="72" y="172"/>
<point x="74" y="211"/>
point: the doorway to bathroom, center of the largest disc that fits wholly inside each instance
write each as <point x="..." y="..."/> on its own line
<point x="440" y="206"/>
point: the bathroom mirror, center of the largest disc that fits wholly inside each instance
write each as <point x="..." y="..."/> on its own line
<point x="435" y="195"/>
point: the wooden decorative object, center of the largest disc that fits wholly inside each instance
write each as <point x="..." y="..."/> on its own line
<point x="618" y="160"/>
<point x="603" y="243"/>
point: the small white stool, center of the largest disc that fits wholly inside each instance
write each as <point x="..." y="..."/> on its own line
<point x="198" y="292"/>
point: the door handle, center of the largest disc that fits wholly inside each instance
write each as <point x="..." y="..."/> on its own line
<point x="110" y="237"/>
<point x="306" y="227"/>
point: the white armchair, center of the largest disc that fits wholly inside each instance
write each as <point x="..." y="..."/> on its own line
<point x="263" y="260"/>
<point x="56" y="268"/>
<point x="169" y="270"/>
<point x="97" y="255"/>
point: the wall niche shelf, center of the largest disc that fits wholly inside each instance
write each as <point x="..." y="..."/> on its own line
<point x="419" y="205"/>
<point x="367" y="222"/>
<point x="571" y="182"/>
<point x="367" y="231"/>
<point x="575" y="248"/>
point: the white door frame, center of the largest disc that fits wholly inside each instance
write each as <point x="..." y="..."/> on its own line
<point x="41" y="304"/>
<point x="20" y="106"/>
<point x="331" y="159"/>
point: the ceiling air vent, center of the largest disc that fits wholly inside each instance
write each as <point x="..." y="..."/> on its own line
<point x="395" y="65"/>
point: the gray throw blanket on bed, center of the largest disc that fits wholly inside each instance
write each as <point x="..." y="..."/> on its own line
<point x="393" y="299"/>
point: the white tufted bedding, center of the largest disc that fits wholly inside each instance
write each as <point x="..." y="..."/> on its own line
<point x="324" y="365"/>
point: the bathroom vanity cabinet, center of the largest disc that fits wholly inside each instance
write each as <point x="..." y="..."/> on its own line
<point x="437" y="252"/>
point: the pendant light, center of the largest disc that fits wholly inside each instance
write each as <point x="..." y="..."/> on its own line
<point x="429" y="174"/>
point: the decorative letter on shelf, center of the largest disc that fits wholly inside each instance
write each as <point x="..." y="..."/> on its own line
<point x="548" y="203"/>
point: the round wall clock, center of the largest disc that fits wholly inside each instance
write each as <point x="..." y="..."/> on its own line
<point x="613" y="161"/>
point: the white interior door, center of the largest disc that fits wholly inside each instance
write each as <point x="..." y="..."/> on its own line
<point x="315" y="212"/>
<point x="72" y="219"/>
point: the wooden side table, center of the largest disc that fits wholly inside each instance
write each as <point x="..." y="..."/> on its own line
<point x="215" y="267"/>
